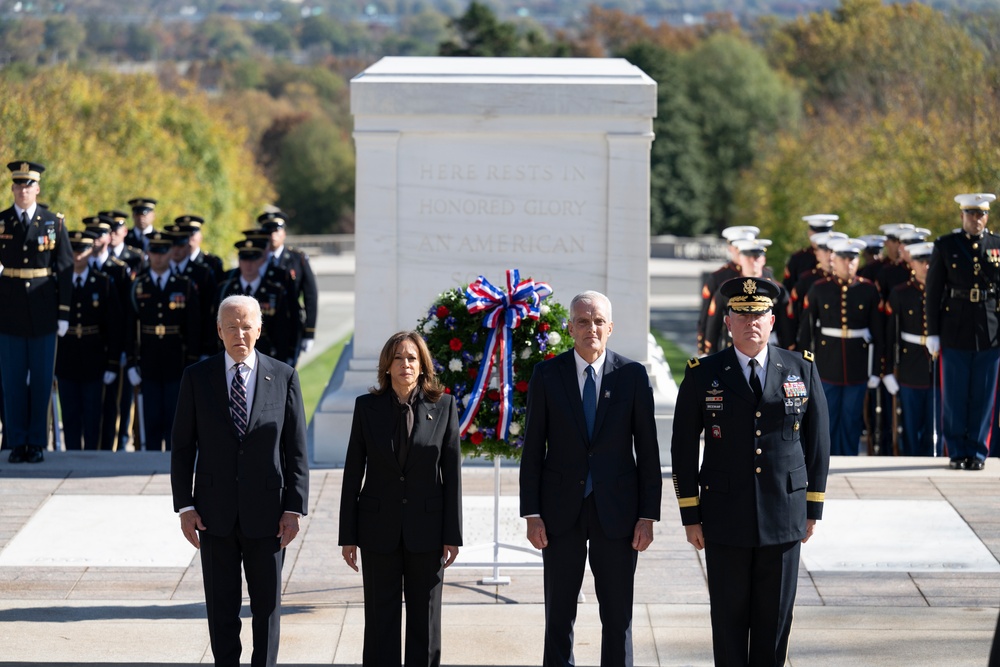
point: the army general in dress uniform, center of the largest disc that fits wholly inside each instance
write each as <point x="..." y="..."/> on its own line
<point x="963" y="297"/>
<point x="35" y="292"/>
<point x="761" y="485"/>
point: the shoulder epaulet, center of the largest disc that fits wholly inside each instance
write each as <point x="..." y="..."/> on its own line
<point x="694" y="362"/>
<point x="807" y="355"/>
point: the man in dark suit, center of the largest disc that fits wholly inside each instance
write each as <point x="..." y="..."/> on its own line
<point x="590" y="476"/>
<point x="240" y="412"/>
<point x="762" y="483"/>
<point x="35" y="291"/>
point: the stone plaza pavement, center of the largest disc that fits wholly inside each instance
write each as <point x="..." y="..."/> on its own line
<point x="94" y="571"/>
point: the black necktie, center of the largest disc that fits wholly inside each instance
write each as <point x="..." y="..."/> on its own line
<point x="238" y="400"/>
<point x="755" y="381"/>
<point x="79" y="282"/>
<point x="24" y="218"/>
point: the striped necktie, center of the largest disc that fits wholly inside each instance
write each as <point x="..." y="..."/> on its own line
<point x="238" y="400"/>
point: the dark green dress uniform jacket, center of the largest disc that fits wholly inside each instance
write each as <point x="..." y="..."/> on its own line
<point x="765" y="465"/>
<point x="31" y="306"/>
<point x="963" y="285"/>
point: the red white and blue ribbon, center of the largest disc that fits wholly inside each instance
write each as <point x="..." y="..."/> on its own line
<point x="504" y="311"/>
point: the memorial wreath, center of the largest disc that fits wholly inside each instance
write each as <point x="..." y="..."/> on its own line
<point x="485" y="342"/>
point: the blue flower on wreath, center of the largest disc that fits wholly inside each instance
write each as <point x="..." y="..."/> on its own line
<point x="449" y="323"/>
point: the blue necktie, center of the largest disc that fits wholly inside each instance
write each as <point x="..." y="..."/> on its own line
<point x="589" y="413"/>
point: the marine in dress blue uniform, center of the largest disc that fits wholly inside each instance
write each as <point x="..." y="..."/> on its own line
<point x="762" y="481"/>
<point x="912" y="373"/>
<point x="842" y="325"/>
<point x="35" y="292"/>
<point x="88" y="356"/>
<point x="711" y="281"/>
<point x="821" y="243"/>
<point x="165" y="336"/>
<point x="803" y="260"/>
<point x="963" y="287"/>
<point x="302" y="290"/>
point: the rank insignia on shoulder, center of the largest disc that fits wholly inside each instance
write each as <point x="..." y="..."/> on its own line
<point x="693" y="362"/>
<point x="807" y="355"/>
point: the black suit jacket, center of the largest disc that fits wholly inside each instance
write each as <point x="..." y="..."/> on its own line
<point x="765" y="465"/>
<point x="421" y="502"/>
<point x="253" y="479"/>
<point x="623" y="457"/>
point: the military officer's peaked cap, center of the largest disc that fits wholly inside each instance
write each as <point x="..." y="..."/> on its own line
<point x="160" y="242"/>
<point x="193" y="223"/>
<point x="749" y="295"/>
<point x="99" y="224"/>
<point x="82" y="239"/>
<point x="117" y="218"/>
<point x="873" y="242"/>
<point x="752" y="246"/>
<point x="22" y="170"/>
<point x="978" y="201"/>
<point x="272" y="220"/>
<point x="740" y="232"/>
<point x="921" y="250"/>
<point x="821" y="221"/>
<point x="824" y="239"/>
<point x="895" y="229"/>
<point x="916" y="235"/>
<point x="257" y="233"/>
<point x="143" y="204"/>
<point x="847" y="247"/>
<point x="251" y="248"/>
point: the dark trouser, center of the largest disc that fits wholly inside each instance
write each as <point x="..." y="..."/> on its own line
<point x="125" y="414"/>
<point x="969" y="385"/>
<point x="26" y="408"/>
<point x="751" y="591"/>
<point x="845" y="403"/>
<point x="612" y="562"/>
<point x="262" y="559"/>
<point x="921" y="415"/>
<point x="80" y="402"/>
<point x="387" y="577"/>
<point x="159" y="403"/>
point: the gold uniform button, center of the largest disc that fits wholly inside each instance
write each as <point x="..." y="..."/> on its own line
<point x="757" y="414"/>
<point x="758" y="433"/>
<point x="758" y="451"/>
<point x="758" y="470"/>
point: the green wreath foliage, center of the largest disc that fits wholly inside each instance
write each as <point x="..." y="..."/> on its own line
<point x="456" y="340"/>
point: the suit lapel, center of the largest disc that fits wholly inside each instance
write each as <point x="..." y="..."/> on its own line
<point x="217" y="385"/>
<point x="732" y="376"/>
<point x="425" y="422"/>
<point x="609" y="380"/>
<point x="383" y="422"/>
<point x="572" y="388"/>
<point x="262" y="390"/>
<point x="776" y="373"/>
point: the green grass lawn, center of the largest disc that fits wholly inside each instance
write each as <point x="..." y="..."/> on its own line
<point x="315" y="375"/>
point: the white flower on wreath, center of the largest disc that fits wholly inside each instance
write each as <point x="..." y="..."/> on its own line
<point x="553" y="338"/>
<point x="479" y="356"/>
<point x="430" y="323"/>
<point x="544" y="309"/>
<point x="515" y="428"/>
<point x="494" y="381"/>
<point x="525" y="353"/>
<point x="473" y="428"/>
<point x="455" y="365"/>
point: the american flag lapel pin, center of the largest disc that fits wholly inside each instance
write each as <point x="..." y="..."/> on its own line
<point x="607" y="393"/>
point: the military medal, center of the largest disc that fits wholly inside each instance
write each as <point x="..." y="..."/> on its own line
<point x="716" y="431"/>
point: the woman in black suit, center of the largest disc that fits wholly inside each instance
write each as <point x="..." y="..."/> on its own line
<point x="407" y="518"/>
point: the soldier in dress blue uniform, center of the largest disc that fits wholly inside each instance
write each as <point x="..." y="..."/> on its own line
<point x="761" y="486"/>
<point x="119" y="230"/>
<point x="144" y="215"/>
<point x="88" y="357"/>
<point x="842" y="324"/>
<point x="803" y="260"/>
<point x="963" y="286"/>
<point x="35" y="291"/>
<point x="193" y="224"/>
<point x="710" y="282"/>
<point x="912" y="375"/>
<point x="165" y="336"/>
<point x="301" y="280"/>
<point x="279" y="326"/>
<point x="200" y="276"/>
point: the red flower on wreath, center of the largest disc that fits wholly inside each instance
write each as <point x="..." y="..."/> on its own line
<point x="476" y="437"/>
<point x="455" y="344"/>
<point x="493" y="395"/>
<point x="521" y="386"/>
<point x="442" y="312"/>
<point x="549" y="355"/>
<point x="544" y="326"/>
<point x="473" y="372"/>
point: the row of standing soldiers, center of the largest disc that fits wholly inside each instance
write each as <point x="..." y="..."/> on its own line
<point x="128" y="310"/>
<point x="876" y="331"/>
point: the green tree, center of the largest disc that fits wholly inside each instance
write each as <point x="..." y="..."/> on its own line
<point x="316" y="179"/>
<point x="478" y="32"/>
<point x="63" y="37"/>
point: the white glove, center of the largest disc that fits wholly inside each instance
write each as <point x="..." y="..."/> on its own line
<point x="134" y="377"/>
<point x="890" y="383"/>
<point x="873" y="381"/>
<point x="62" y="327"/>
<point x="307" y="344"/>
<point x="933" y="345"/>
<point x="109" y="377"/>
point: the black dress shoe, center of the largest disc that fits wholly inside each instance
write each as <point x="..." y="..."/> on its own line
<point x="16" y="455"/>
<point x="957" y="464"/>
<point x="34" y="455"/>
<point x="974" y="464"/>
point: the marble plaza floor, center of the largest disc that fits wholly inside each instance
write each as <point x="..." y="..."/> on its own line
<point x="94" y="571"/>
